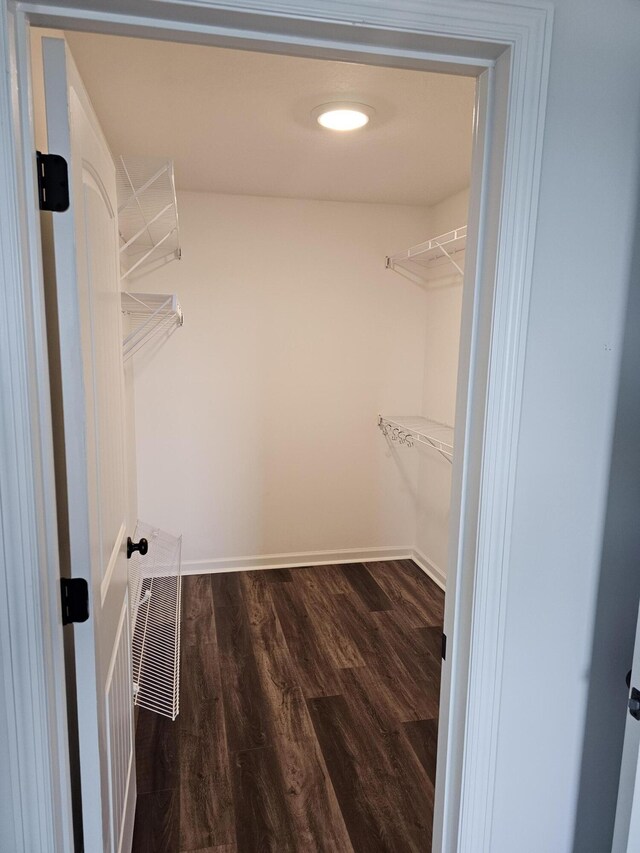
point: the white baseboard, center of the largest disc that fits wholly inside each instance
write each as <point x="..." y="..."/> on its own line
<point x="430" y="569"/>
<point x="316" y="558"/>
<point x="305" y="558"/>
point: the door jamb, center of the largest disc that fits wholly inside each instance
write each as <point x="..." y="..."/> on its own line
<point x="512" y="41"/>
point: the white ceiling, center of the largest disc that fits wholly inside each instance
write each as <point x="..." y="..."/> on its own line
<point x="239" y="122"/>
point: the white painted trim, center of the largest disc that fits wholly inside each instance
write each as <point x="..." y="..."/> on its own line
<point x="112" y="563"/>
<point x="509" y="223"/>
<point x="316" y="558"/>
<point x="302" y="558"/>
<point x="451" y="35"/>
<point x="430" y="569"/>
<point x="465" y="489"/>
<point x="31" y="645"/>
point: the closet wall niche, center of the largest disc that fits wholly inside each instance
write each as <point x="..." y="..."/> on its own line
<point x="255" y="425"/>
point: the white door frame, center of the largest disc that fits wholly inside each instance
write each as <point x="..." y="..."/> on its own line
<point x="509" y="45"/>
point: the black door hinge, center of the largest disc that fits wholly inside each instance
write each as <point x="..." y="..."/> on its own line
<point x="53" y="182"/>
<point x="444" y="646"/>
<point x="75" y="600"/>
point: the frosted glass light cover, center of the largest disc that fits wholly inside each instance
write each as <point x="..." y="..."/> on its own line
<point x="343" y="116"/>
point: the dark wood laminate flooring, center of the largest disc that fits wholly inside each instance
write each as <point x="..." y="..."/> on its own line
<point x="308" y="715"/>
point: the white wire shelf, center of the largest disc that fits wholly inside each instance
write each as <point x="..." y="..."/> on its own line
<point x="432" y="260"/>
<point x="147" y="315"/>
<point x="410" y="430"/>
<point x="147" y="214"/>
<point x="155" y="589"/>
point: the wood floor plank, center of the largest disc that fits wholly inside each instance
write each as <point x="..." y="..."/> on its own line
<point x="156" y="824"/>
<point x="316" y="817"/>
<point x="277" y="575"/>
<point x="417" y="597"/>
<point x="223" y="848"/>
<point x="312" y="804"/>
<point x="280" y="686"/>
<point x="201" y="708"/>
<point x="395" y="680"/>
<point x="413" y="569"/>
<point x="428" y="587"/>
<point x="364" y="585"/>
<point x="362" y="775"/>
<point x="226" y="589"/>
<point x="339" y="741"/>
<point x="434" y="592"/>
<point x="324" y="611"/>
<point x="329" y="577"/>
<point x="197" y="596"/>
<point x="312" y="665"/>
<point x="431" y="640"/>
<point x="246" y="713"/>
<point x="423" y="735"/>
<point x="414" y="646"/>
<point x="157" y="752"/>
<point x="263" y="822"/>
<point x="380" y="713"/>
<point x="406" y="789"/>
<point x="197" y="610"/>
<point x="206" y="798"/>
<point x="422" y="679"/>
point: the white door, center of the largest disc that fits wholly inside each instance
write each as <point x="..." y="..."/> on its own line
<point x="85" y="240"/>
<point x="626" y="836"/>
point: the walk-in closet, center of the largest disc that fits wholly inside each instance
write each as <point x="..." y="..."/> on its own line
<point x="276" y="435"/>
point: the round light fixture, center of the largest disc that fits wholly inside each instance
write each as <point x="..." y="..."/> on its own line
<point x="343" y="116"/>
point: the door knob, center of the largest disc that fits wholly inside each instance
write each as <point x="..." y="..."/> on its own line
<point x="142" y="546"/>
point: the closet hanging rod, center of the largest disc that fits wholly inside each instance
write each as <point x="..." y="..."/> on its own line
<point x="414" y="429"/>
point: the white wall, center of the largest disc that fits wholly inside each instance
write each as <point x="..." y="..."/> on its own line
<point x="585" y="238"/>
<point x="442" y="343"/>
<point x="256" y="422"/>
<point x="618" y="596"/>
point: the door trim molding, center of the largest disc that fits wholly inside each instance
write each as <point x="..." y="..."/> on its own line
<point x="31" y="641"/>
<point x="453" y="35"/>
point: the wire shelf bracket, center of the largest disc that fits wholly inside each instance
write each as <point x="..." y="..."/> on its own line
<point x="147" y="213"/>
<point x="411" y="430"/>
<point x="147" y="315"/>
<point x="155" y="593"/>
<point x="432" y="260"/>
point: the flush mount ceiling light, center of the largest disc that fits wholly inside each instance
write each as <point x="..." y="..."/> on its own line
<point x="343" y="115"/>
